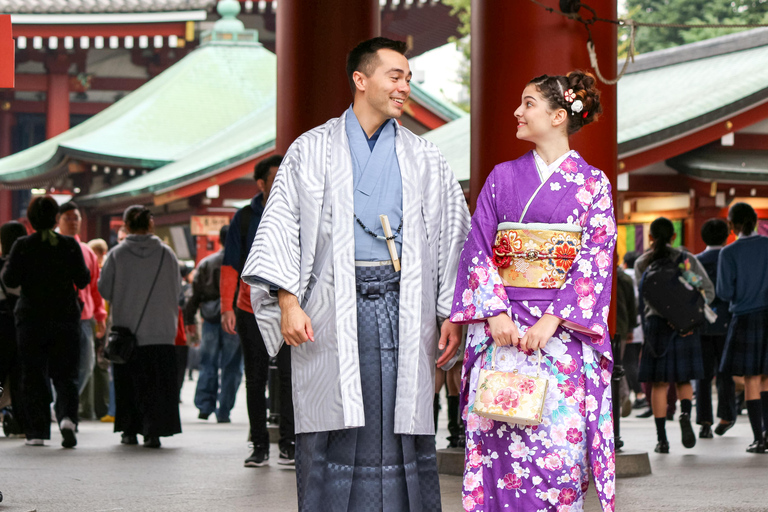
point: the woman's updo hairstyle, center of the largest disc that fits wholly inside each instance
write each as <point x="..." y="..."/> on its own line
<point x="582" y="85"/>
<point x="742" y="214"/>
<point x="42" y="212"/>
<point x="136" y="218"/>
<point x="662" y="231"/>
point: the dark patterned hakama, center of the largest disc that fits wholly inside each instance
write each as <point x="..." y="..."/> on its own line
<point x="370" y="468"/>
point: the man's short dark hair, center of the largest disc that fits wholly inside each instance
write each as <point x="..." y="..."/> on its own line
<point x="261" y="171"/>
<point x="715" y="232"/>
<point x="223" y="234"/>
<point x="629" y="258"/>
<point x="363" y="57"/>
<point x="68" y="206"/>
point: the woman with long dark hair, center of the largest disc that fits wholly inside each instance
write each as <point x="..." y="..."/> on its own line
<point x="140" y="279"/>
<point x="49" y="268"/>
<point x="669" y="356"/>
<point x="743" y="280"/>
<point x="534" y="282"/>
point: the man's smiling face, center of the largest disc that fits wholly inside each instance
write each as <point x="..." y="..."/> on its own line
<point x="387" y="88"/>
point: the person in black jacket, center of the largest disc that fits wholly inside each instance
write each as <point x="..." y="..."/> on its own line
<point x="220" y="351"/>
<point x="50" y="268"/>
<point x="10" y="366"/>
<point x="714" y="232"/>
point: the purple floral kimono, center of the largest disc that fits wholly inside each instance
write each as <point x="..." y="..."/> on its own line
<point x="544" y="467"/>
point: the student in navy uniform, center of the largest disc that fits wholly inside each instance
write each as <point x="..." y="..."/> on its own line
<point x="743" y="280"/>
<point x="714" y="232"/>
<point x="669" y="357"/>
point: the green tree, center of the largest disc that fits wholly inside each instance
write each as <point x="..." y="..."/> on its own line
<point x="729" y="12"/>
<point x="462" y="9"/>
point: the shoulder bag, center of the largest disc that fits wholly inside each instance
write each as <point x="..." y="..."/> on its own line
<point x="121" y="342"/>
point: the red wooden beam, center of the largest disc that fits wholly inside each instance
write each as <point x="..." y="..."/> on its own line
<point x="695" y="140"/>
<point x="7" y="54"/>
<point x="198" y="187"/>
<point x="105" y="29"/>
<point x="423" y="115"/>
<point x="39" y="83"/>
<point x="38" y="107"/>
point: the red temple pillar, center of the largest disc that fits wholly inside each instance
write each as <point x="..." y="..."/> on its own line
<point x="57" y="101"/>
<point x="312" y="42"/>
<point x="6" y="125"/>
<point x="515" y="41"/>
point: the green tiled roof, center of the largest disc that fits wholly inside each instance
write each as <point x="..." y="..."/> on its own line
<point x="659" y="103"/>
<point x="442" y="108"/>
<point x="723" y="164"/>
<point x="453" y="141"/>
<point x="166" y="120"/>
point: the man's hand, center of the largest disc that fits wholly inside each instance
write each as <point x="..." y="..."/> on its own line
<point x="191" y="330"/>
<point x="228" y="322"/>
<point x="450" y="339"/>
<point x="538" y="335"/>
<point x="295" y="325"/>
<point x="503" y="330"/>
<point x="101" y="328"/>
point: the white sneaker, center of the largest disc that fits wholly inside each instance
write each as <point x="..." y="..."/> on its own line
<point x="35" y="442"/>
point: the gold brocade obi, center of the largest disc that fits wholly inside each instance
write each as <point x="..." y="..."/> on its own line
<point x="535" y="255"/>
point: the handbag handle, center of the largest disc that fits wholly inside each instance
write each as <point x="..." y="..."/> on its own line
<point x="493" y="361"/>
<point x="146" y="303"/>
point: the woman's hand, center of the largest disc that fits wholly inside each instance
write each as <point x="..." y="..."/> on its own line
<point x="538" y="335"/>
<point x="503" y="330"/>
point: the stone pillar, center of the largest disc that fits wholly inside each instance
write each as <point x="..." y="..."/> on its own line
<point x="312" y="42"/>
<point x="57" y="100"/>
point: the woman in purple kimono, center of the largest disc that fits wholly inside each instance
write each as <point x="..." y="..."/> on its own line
<point x="535" y="273"/>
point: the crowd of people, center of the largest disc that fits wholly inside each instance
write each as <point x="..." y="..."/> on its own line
<point x="358" y="271"/>
<point x="730" y="347"/>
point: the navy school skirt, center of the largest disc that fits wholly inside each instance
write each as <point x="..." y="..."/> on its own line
<point x="667" y="356"/>
<point x="746" y="345"/>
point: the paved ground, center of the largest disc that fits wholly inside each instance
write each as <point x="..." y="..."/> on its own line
<point x="201" y="470"/>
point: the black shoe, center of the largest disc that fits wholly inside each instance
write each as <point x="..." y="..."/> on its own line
<point x="287" y="455"/>
<point x="662" y="447"/>
<point x="203" y="415"/>
<point x="646" y="414"/>
<point x="640" y="403"/>
<point x="129" y="439"/>
<point x="670" y="416"/>
<point x="722" y="428"/>
<point x="259" y="458"/>
<point x="151" y="442"/>
<point x="706" y="431"/>
<point x="757" y="447"/>
<point x="689" y="438"/>
<point x="69" y="440"/>
<point x="223" y="420"/>
<point x="453" y="442"/>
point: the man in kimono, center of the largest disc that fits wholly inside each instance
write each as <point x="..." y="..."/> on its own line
<point x="322" y="271"/>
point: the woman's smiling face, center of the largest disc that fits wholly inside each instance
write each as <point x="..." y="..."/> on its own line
<point x="534" y="119"/>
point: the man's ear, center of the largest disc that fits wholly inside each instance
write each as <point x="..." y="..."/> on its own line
<point x="261" y="185"/>
<point x="360" y="80"/>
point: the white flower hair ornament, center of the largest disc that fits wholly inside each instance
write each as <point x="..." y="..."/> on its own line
<point x="577" y="106"/>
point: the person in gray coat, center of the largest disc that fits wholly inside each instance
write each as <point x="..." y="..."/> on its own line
<point x="144" y="271"/>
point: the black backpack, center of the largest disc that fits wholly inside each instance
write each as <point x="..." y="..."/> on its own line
<point x="664" y="289"/>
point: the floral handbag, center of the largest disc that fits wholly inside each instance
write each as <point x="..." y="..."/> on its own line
<point x="510" y="396"/>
